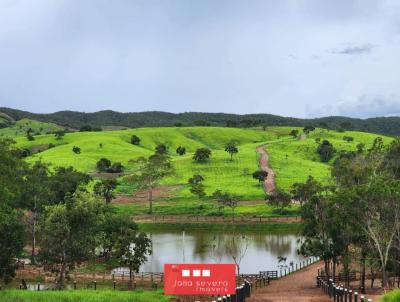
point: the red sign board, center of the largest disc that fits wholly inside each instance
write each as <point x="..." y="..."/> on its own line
<point x="199" y="279"/>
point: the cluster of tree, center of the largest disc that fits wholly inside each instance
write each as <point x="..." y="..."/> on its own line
<point x="383" y="125"/>
<point x="89" y="128"/>
<point x="326" y="150"/>
<point x="53" y="210"/>
<point x="105" y="165"/>
<point x="358" y="215"/>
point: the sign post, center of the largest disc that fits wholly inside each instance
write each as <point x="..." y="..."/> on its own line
<point x="199" y="279"/>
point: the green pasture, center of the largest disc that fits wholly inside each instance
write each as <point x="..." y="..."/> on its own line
<point x="82" y="295"/>
<point x="20" y="128"/>
<point x="292" y="159"/>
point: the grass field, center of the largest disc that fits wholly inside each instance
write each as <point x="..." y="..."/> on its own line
<point x="292" y="160"/>
<point x="393" y="296"/>
<point x="82" y="296"/>
<point x="20" y="128"/>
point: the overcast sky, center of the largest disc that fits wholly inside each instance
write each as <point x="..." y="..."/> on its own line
<point x="292" y="58"/>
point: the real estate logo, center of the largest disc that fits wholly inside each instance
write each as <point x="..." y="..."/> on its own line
<point x="199" y="279"/>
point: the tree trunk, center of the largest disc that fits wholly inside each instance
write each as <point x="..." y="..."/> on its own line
<point x="33" y="252"/>
<point x="384" y="276"/>
<point x="327" y="270"/>
<point x="130" y="275"/>
<point x="334" y="268"/>
<point x="362" y="280"/>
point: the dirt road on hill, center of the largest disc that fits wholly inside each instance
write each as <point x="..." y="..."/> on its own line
<point x="269" y="182"/>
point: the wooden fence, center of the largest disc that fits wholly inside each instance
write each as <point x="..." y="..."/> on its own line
<point x="338" y="292"/>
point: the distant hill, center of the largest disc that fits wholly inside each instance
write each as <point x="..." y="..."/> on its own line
<point x="108" y="118"/>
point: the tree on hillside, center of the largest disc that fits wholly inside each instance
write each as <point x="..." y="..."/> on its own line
<point x="181" y="150"/>
<point x="149" y="172"/>
<point x="260" y="175"/>
<point x="70" y="233"/>
<point x="294" y="133"/>
<point x="85" y="128"/>
<point x="103" y="164"/>
<point x="116" y="167"/>
<point x="105" y="189"/>
<point x="59" y="134"/>
<point x="307" y="129"/>
<point x="196" y="185"/>
<point x="76" y="150"/>
<point x="29" y="135"/>
<point x="325" y="150"/>
<point x="348" y="138"/>
<point x="360" y="147"/>
<point x="231" y="148"/>
<point x="135" y="140"/>
<point x="12" y="241"/>
<point x="202" y="154"/>
<point x="161" y="149"/>
<point x="227" y="199"/>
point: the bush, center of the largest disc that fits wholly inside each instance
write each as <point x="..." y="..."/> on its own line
<point x="103" y="165"/>
<point x="135" y="140"/>
<point x="202" y="154"/>
<point x="76" y="150"/>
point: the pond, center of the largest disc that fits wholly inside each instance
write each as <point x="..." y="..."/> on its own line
<point x="257" y="251"/>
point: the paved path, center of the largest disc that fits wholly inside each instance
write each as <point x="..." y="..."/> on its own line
<point x="297" y="287"/>
<point x="269" y="183"/>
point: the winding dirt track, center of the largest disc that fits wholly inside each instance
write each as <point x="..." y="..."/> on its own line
<point x="269" y="182"/>
<point x="298" y="287"/>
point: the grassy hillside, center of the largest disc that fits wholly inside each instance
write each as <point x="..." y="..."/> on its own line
<point x="292" y="159"/>
<point x="20" y="128"/>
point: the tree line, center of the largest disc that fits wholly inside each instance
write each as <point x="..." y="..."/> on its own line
<point x="51" y="211"/>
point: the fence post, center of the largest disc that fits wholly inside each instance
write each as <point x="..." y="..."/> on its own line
<point x="75" y="284"/>
<point x="114" y="284"/>
<point x="95" y="284"/>
<point x="38" y="286"/>
<point x="355" y="296"/>
<point x="350" y="295"/>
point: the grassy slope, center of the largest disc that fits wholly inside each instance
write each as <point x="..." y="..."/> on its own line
<point x="82" y="295"/>
<point x="219" y="172"/>
<point x="393" y="296"/>
<point x="20" y="127"/>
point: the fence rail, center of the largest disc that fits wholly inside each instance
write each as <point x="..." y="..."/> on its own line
<point x="339" y="293"/>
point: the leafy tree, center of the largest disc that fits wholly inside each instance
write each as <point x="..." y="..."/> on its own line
<point x="149" y="173"/>
<point x="307" y="129"/>
<point x="202" y="154"/>
<point x="231" y="148"/>
<point x="294" y="133"/>
<point x="69" y="233"/>
<point x="67" y="181"/>
<point x="59" y="134"/>
<point x="360" y="147"/>
<point x="161" y="149"/>
<point x="280" y="199"/>
<point x="196" y="185"/>
<point x="181" y="150"/>
<point x="304" y="191"/>
<point x="29" y="136"/>
<point x="116" y="168"/>
<point x="12" y="241"/>
<point x="135" y="140"/>
<point x="76" y="150"/>
<point x="103" y="164"/>
<point x="37" y="193"/>
<point x="132" y="248"/>
<point x="227" y="199"/>
<point x="260" y="175"/>
<point x="325" y="150"/>
<point x="86" y="128"/>
<point x="348" y="138"/>
<point x="105" y="189"/>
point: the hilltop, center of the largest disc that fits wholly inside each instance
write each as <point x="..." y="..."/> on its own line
<point x="292" y="160"/>
<point x="109" y="118"/>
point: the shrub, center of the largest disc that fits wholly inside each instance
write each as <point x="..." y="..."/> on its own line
<point x="202" y="154"/>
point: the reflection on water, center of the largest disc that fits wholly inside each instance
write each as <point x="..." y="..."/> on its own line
<point x="255" y="251"/>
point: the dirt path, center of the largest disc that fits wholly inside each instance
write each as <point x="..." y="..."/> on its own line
<point x="299" y="287"/>
<point x="269" y="183"/>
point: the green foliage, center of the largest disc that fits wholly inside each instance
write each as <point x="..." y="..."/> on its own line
<point x="12" y="235"/>
<point x="307" y="129"/>
<point x="105" y="189"/>
<point x="231" y="148"/>
<point x="393" y="296"/>
<point x="226" y="199"/>
<point x="348" y="138"/>
<point x="59" y="134"/>
<point x="69" y="232"/>
<point x="181" y="150"/>
<point x="76" y="150"/>
<point x="325" y="150"/>
<point x="135" y="140"/>
<point x="260" y="175"/>
<point x="196" y="185"/>
<point x="294" y="133"/>
<point x="202" y="154"/>
<point x="161" y="149"/>
<point x="280" y="199"/>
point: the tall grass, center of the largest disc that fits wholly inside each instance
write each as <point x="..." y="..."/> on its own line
<point x="82" y="296"/>
<point x="393" y="296"/>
